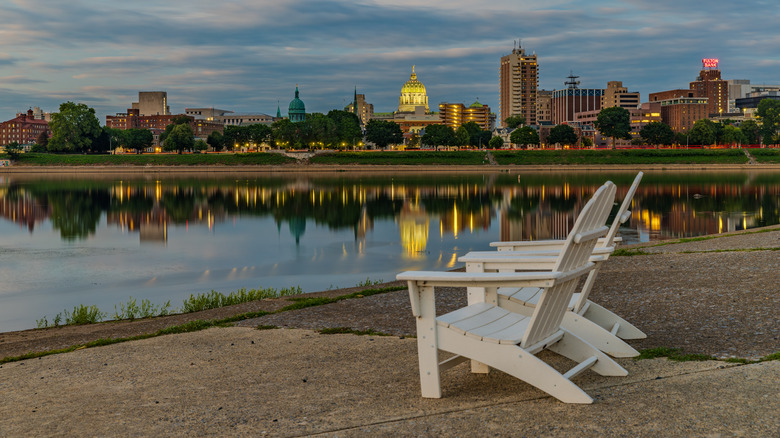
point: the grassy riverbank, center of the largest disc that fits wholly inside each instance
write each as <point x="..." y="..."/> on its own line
<point x="413" y="158"/>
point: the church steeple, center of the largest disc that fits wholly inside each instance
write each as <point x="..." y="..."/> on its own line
<point x="278" y="111"/>
<point x="354" y="103"/>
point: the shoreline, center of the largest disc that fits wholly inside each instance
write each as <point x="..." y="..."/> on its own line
<point x="368" y="168"/>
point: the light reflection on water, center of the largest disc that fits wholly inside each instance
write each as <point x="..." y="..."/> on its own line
<point x="75" y="241"/>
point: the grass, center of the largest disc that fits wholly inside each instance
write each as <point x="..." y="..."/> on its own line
<point x="259" y="158"/>
<point x="675" y="355"/>
<point x="132" y="311"/>
<point x="214" y="299"/>
<point x="81" y="315"/>
<point x="766" y="155"/>
<point x="621" y="156"/>
<point x="197" y="325"/>
<point x="638" y="251"/>
<point x="350" y="331"/>
<point x="302" y="303"/>
<point x="403" y="158"/>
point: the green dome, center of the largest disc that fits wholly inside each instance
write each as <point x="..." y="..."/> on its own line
<point x="297" y="110"/>
<point x="476" y="105"/>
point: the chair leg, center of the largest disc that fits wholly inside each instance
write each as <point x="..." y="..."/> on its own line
<point x="578" y="350"/>
<point x="597" y="336"/>
<point x="516" y="362"/>
<point x="607" y="320"/>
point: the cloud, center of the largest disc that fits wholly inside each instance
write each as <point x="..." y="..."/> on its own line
<point x="245" y="55"/>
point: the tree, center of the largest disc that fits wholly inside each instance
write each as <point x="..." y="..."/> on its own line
<point x="438" y="135"/>
<point x="524" y="136"/>
<point x="178" y="120"/>
<point x="732" y="135"/>
<point x="701" y="133"/>
<point x="138" y="139"/>
<point x="769" y="112"/>
<point x="383" y="133"/>
<point x="259" y="133"/>
<point x="496" y="143"/>
<point x="200" y="145"/>
<point x="562" y="134"/>
<point x="751" y="131"/>
<point x="13" y="149"/>
<point x="462" y="136"/>
<point x="513" y="122"/>
<point x="180" y="139"/>
<point x="42" y="140"/>
<point x="587" y="142"/>
<point x="614" y="122"/>
<point x="234" y="136"/>
<point x="285" y="134"/>
<point x="73" y="128"/>
<point x="215" y="140"/>
<point x="348" y="131"/>
<point x="657" y="133"/>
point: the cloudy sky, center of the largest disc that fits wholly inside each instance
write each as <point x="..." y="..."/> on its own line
<point x="245" y="55"/>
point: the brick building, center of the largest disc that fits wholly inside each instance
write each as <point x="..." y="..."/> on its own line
<point x="709" y="84"/>
<point x="157" y="123"/>
<point x="23" y="129"/>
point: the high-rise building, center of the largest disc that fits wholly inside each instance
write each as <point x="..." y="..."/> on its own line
<point x="456" y="114"/>
<point x="361" y="108"/>
<point x="572" y="100"/>
<point x="152" y="103"/>
<point x="709" y="84"/>
<point x="617" y="95"/>
<point x="518" y="83"/>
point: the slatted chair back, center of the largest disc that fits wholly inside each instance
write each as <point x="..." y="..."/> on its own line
<point x="574" y="255"/>
<point x="622" y="214"/>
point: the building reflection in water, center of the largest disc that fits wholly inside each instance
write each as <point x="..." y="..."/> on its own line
<point x="527" y="209"/>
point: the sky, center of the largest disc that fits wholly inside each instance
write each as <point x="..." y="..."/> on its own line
<point x="247" y="55"/>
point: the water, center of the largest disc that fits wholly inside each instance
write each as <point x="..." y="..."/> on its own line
<point x="71" y="240"/>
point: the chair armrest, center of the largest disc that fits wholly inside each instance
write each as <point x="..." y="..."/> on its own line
<point x="538" y="245"/>
<point x="480" y="279"/>
<point x="529" y="260"/>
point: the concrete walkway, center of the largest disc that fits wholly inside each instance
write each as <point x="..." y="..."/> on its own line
<point x="248" y="382"/>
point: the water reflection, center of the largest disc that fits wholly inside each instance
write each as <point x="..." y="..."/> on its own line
<point x="529" y="207"/>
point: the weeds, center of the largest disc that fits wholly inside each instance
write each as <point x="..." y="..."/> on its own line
<point x="132" y="311"/>
<point x="625" y="252"/>
<point x="369" y="282"/>
<point x="672" y="354"/>
<point x="214" y="299"/>
<point x="348" y="330"/>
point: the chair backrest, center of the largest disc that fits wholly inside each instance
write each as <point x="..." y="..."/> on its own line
<point x="589" y="226"/>
<point x="622" y="214"/>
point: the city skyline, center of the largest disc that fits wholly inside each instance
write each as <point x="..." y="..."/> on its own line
<point x="246" y="56"/>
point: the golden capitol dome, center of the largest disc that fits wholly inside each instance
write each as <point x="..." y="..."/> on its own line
<point x="412" y="95"/>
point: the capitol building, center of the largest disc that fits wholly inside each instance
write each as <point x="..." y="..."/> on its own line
<point x="413" y="95"/>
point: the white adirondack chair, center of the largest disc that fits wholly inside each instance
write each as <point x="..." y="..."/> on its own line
<point x="508" y="341"/>
<point x="594" y="315"/>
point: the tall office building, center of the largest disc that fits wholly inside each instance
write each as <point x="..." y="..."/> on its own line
<point x="152" y="103"/>
<point x="518" y="81"/>
<point x="709" y="84"/>
<point x="572" y="100"/>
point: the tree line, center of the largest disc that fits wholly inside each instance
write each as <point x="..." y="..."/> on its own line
<point x="76" y="129"/>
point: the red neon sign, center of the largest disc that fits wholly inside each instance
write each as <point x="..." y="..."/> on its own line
<point x="709" y="63"/>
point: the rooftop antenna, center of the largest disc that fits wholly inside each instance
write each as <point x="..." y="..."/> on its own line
<point x="572" y="83"/>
